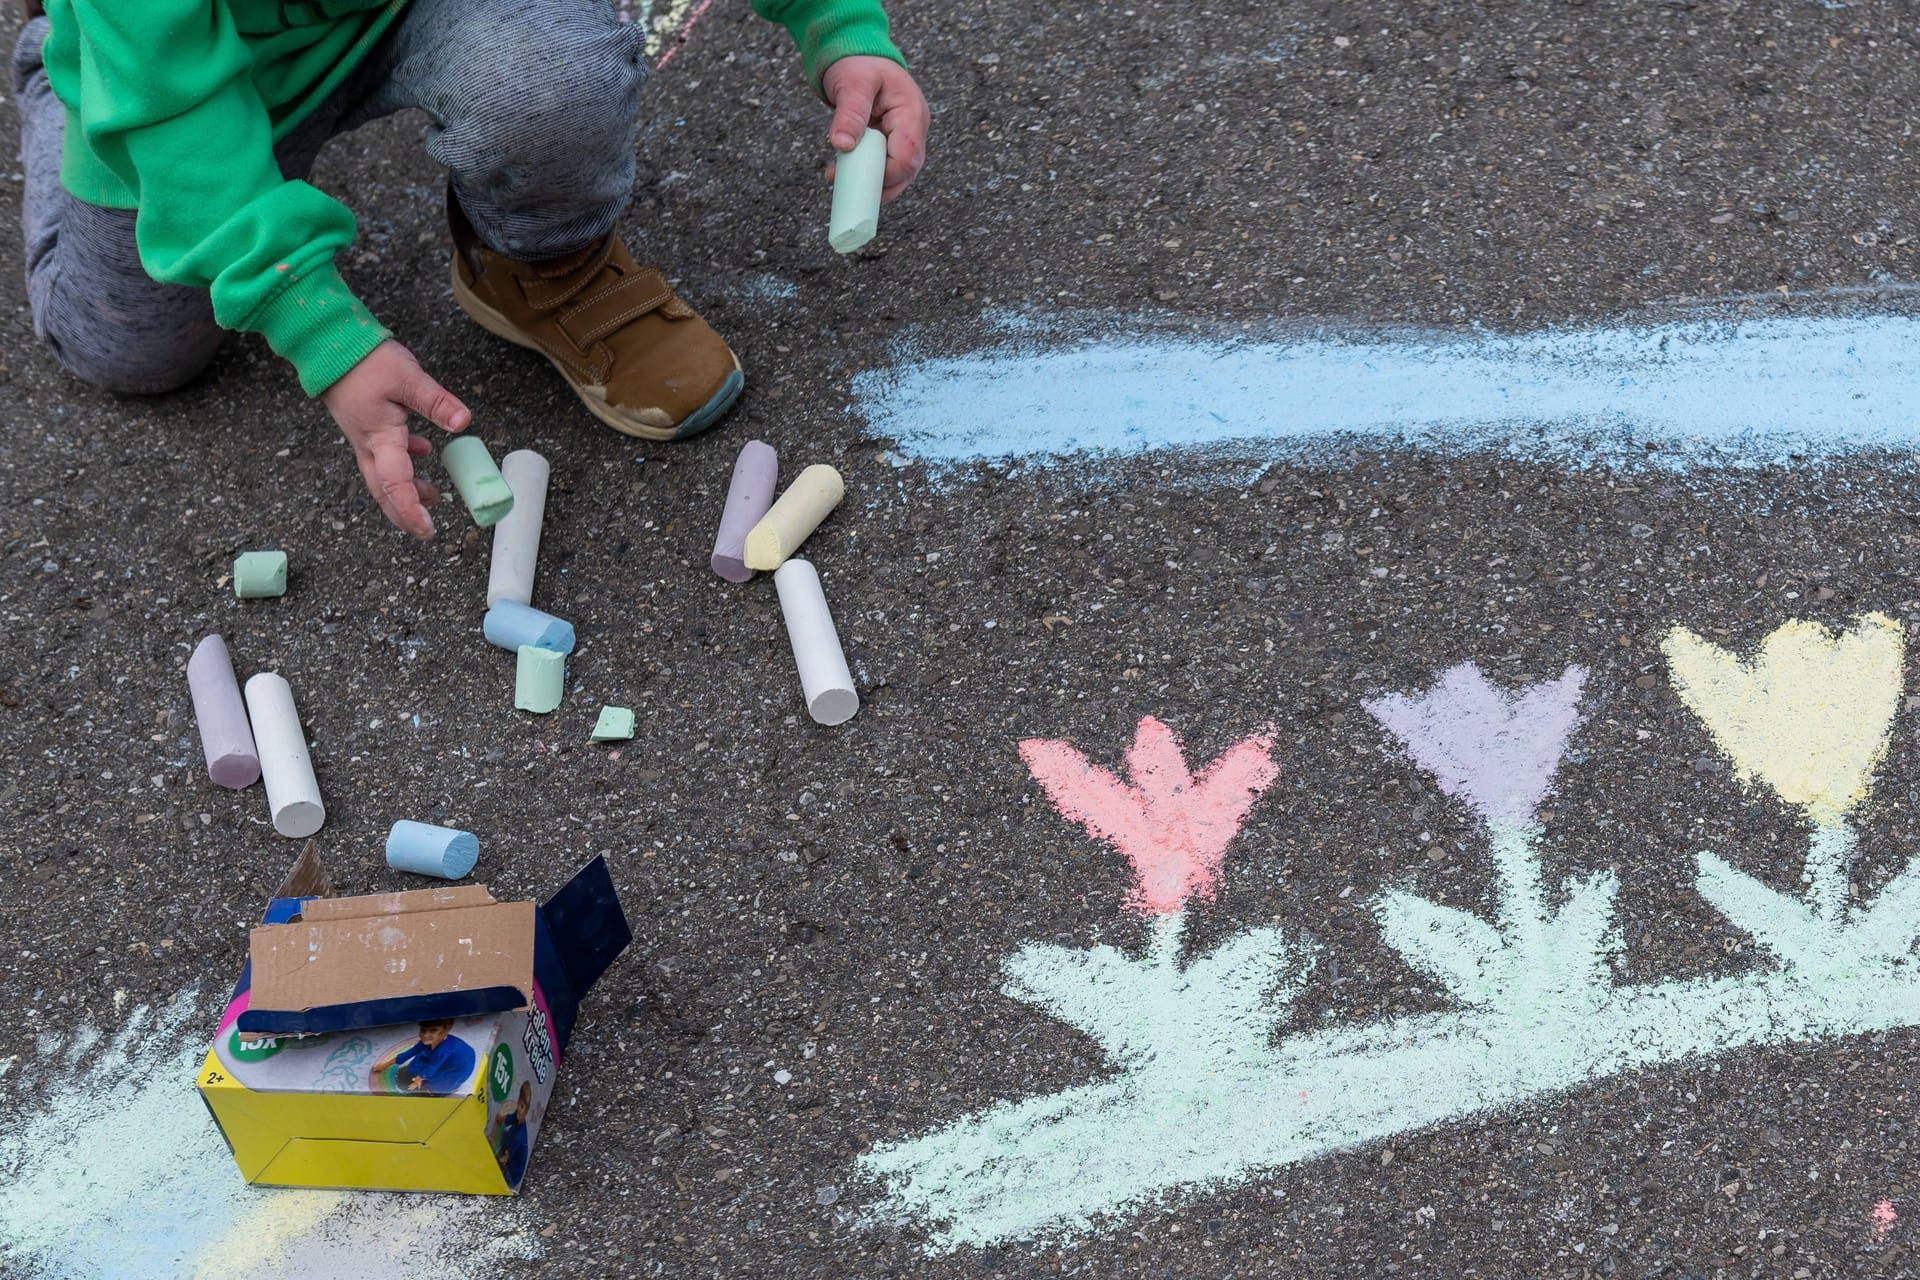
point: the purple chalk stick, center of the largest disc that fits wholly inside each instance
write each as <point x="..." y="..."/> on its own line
<point x="232" y="760"/>
<point x="755" y="473"/>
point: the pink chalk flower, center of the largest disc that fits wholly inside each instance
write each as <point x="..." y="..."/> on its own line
<point x="1493" y="749"/>
<point x="1172" y="827"/>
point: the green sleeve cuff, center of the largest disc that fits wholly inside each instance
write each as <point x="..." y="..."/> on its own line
<point x="829" y="30"/>
<point x="316" y="323"/>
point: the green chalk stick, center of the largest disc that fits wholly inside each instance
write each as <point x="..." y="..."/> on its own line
<point x="614" y="725"/>
<point x="538" y="678"/>
<point x="259" y="574"/>
<point x="480" y="483"/>
<point x="857" y="179"/>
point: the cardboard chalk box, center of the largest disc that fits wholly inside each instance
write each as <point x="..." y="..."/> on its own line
<point x="404" y="1041"/>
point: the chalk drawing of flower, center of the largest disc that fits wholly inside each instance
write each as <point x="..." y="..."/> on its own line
<point x="1172" y="827"/>
<point x="1495" y="750"/>
<point x="1809" y="715"/>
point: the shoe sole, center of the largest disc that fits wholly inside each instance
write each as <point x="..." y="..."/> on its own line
<point x="692" y="425"/>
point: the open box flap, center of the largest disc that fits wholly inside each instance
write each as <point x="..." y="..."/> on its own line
<point x="313" y="976"/>
<point x="439" y="898"/>
<point x="582" y="931"/>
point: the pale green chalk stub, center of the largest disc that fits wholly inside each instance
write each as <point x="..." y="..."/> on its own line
<point x="481" y="486"/>
<point x="857" y="179"/>
<point x="614" y="725"/>
<point x="260" y="574"/>
<point x="538" y="678"/>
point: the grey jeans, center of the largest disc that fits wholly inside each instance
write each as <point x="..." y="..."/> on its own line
<point x="532" y="108"/>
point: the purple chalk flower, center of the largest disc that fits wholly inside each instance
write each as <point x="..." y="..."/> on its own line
<point x="1493" y="749"/>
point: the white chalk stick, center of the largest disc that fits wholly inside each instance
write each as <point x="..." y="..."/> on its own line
<point x="293" y="794"/>
<point x="811" y="497"/>
<point x="824" y="678"/>
<point x="516" y="539"/>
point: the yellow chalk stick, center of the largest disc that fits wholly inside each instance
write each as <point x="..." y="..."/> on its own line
<point x="813" y="494"/>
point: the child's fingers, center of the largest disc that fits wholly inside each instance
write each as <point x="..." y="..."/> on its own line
<point x="852" y="109"/>
<point x="390" y="479"/>
<point x="906" y="152"/>
<point x="906" y="121"/>
<point x="429" y="496"/>
<point x="418" y="446"/>
<point x="420" y="393"/>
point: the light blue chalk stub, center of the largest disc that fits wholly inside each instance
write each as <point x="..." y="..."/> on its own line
<point x="511" y="624"/>
<point x="538" y="679"/>
<point x="427" y="850"/>
<point x="480" y="484"/>
<point x="857" y="178"/>
<point x="260" y="574"/>
<point x="614" y="725"/>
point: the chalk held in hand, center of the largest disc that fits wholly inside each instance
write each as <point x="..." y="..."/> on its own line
<point x="509" y="625"/>
<point x="258" y="575"/>
<point x="811" y="497"/>
<point x="614" y="725"/>
<point x="479" y="482"/>
<point x="857" y="179"/>
<point x="232" y="759"/>
<point x="293" y="795"/>
<point x="539" y="677"/>
<point x="516" y="539"/>
<point x="427" y="850"/>
<point x="824" y="678"/>
<point x="749" y="494"/>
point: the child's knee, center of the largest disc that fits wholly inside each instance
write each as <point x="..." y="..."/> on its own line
<point x="129" y="364"/>
<point x="548" y="97"/>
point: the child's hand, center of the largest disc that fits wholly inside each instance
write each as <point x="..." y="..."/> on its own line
<point x="370" y="402"/>
<point x="869" y="92"/>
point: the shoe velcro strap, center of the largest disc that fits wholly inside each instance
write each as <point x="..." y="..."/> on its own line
<point x="612" y="306"/>
<point x="557" y="282"/>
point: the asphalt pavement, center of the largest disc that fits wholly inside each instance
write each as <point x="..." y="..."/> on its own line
<point x="821" y="916"/>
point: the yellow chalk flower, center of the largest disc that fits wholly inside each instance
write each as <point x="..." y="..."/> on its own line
<point x="1810" y="714"/>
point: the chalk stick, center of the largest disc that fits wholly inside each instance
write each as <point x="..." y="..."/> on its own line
<point x="427" y="850"/>
<point x="478" y="481"/>
<point x="813" y="494"/>
<point x="858" y="176"/>
<point x="258" y="575"/>
<point x="539" y="677"/>
<point x="749" y="494"/>
<point x="614" y="725"/>
<point x="824" y="678"/>
<point x="232" y="759"/>
<point x="510" y="625"/>
<point x="516" y="539"/>
<point x="293" y="795"/>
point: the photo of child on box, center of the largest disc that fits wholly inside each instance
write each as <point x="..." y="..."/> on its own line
<point x="438" y="1063"/>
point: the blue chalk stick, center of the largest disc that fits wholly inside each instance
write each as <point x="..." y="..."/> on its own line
<point x="511" y="624"/>
<point x="428" y="850"/>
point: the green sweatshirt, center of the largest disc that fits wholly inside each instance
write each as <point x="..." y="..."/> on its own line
<point x="173" y="109"/>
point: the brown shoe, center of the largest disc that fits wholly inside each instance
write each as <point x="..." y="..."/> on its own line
<point x="642" y="361"/>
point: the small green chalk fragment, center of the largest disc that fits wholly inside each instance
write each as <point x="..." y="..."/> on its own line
<point x="260" y="574"/>
<point x="480" y="484"/>
<point x="614" y="725"/>
<point x="538" y="678"/>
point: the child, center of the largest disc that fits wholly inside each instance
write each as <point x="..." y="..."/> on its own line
<point x="439" y="1064"/>
<point x="510" y="1137"/>
<point x="165" y="143"/>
